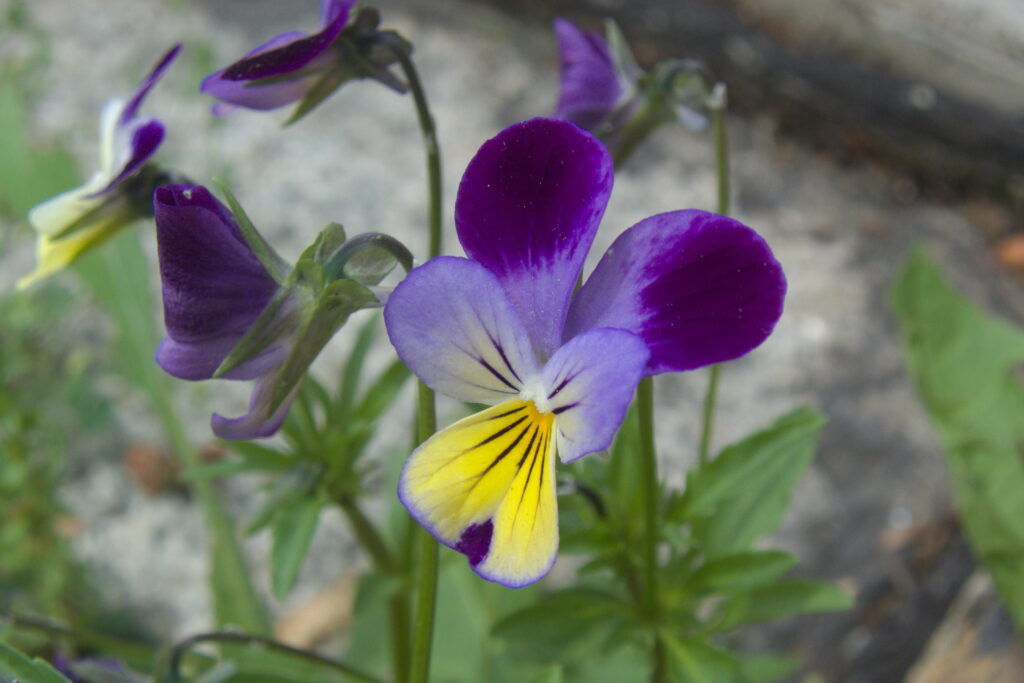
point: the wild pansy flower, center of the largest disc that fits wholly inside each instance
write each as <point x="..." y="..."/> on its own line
<point x="603" y="90"/>
<point x="307" y="68"/>
<point x="233" y="309"/>
<point x="117" y="194"/>
<point x="502" y="327"/>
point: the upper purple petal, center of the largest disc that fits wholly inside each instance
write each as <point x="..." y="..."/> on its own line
<point x="295" y="54"/>
<point x="259" y="96"/>
<point x="131" y="108"/>
<point x="214" y="287"/>
<point x="590" y="85"/>
<point x="451" y="323"/>
<point x="141" y="138"/>
<point x="697" y="287"/>
<point x="589" y="384"/>
<point x="527" y="209"/>
<point x="199" y="360"/>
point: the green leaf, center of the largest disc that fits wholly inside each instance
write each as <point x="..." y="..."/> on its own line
<point x="740" y="571"/>
<point x="695" y="661"/>
<point x="381" y="394"/>
<point x="118" y="276"/>
<point x="564" y="625"/>
<point x="31" y="174"/>
<point x="290" y="487"/>
<point x="743" y="493"/>
<point x="14" y="666"/>
<point x="963" y="363"/>
<point x="294" y="526"/>
<point x="552" y="674"/>
<point x="767" y="667"/>
<point x="260" y="456"/>
<point x="354" y="367"/>
<point x="782" y="599"/>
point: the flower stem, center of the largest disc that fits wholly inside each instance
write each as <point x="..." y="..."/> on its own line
<point x="429" y="132"/>
<point x="174" y="661"/>
<point x="426" y="596"/>
<point x="652" y="502"/>
<point x="426" y="422"/>
<point x="717" y="102"/>
<point x="384" y="562"/>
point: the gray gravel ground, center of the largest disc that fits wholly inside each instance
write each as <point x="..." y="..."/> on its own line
<point x="840" y="232"/>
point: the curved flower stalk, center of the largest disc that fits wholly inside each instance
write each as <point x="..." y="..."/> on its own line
<point x="117" y="194"/>
<point x="603" y="90"/>
<point x="307" y="68"/>
<point x="234" y="309"/>
<point x="675" y="292"/>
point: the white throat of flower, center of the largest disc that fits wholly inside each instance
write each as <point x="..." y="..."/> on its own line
<point x="536" y="393"/>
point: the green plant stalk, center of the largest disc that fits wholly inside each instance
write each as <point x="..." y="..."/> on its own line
<point x="384" y="562"/>
<point x="172" y="674"/>
<point x="433" y="151"/>
<point x="426" y="595"/>
<point x="652" y="502"/>
<point x="718" y="103"/>
<point x="426" y="423"/>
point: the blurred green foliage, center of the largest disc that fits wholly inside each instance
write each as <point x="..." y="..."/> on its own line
<point x="967" y="368"/>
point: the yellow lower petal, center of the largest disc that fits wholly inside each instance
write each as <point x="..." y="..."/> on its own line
<point x="490" y="475"/>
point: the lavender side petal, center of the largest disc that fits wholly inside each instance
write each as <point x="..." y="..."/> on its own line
<point x="589" y="384"/>
<point x="452" y="324"/>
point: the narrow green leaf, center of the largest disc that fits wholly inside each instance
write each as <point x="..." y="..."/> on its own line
<point x="228" y="468"/>
<point x="31" y="174"/>
<point x="14" y="666"/>
<point x="696" y="661"/>
<point x="744" y="492"/>
<point x="381" y="394"/>
<point x="288" y="488"/>
<point x="258" y="454"/>
<point x="294" y="526"/>
<point x="963" y="362"/>
<point x="236" y="604"/>
<point x="740" y="571"/>
<point x="354" y="367"/>
<point x="782" y="599"/>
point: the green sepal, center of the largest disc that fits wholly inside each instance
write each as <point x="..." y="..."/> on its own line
<point x="277" y="321"/>
<point x="332" y="79"/>
<point x="274" y="264"/>
<point x="326" y="243"/>
<point x="335" y="303"/>
<point x="622" y="56"/>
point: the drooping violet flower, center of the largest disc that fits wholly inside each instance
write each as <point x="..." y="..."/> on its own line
<point x="281" y="70"/>
<point x="116" y="195"/>
<point x="591" y="88"/>
<point x="234" y="310"/>
<point x="676" y="291"/>
<point x="604" y="90"/>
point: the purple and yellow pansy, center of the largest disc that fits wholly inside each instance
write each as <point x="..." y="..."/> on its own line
<point x="503" y="327"/>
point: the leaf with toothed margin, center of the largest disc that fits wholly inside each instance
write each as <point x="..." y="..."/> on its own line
<point x="334" y="305"/>
<point x="563" y="626"/>
<point x="275" y="265"/>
